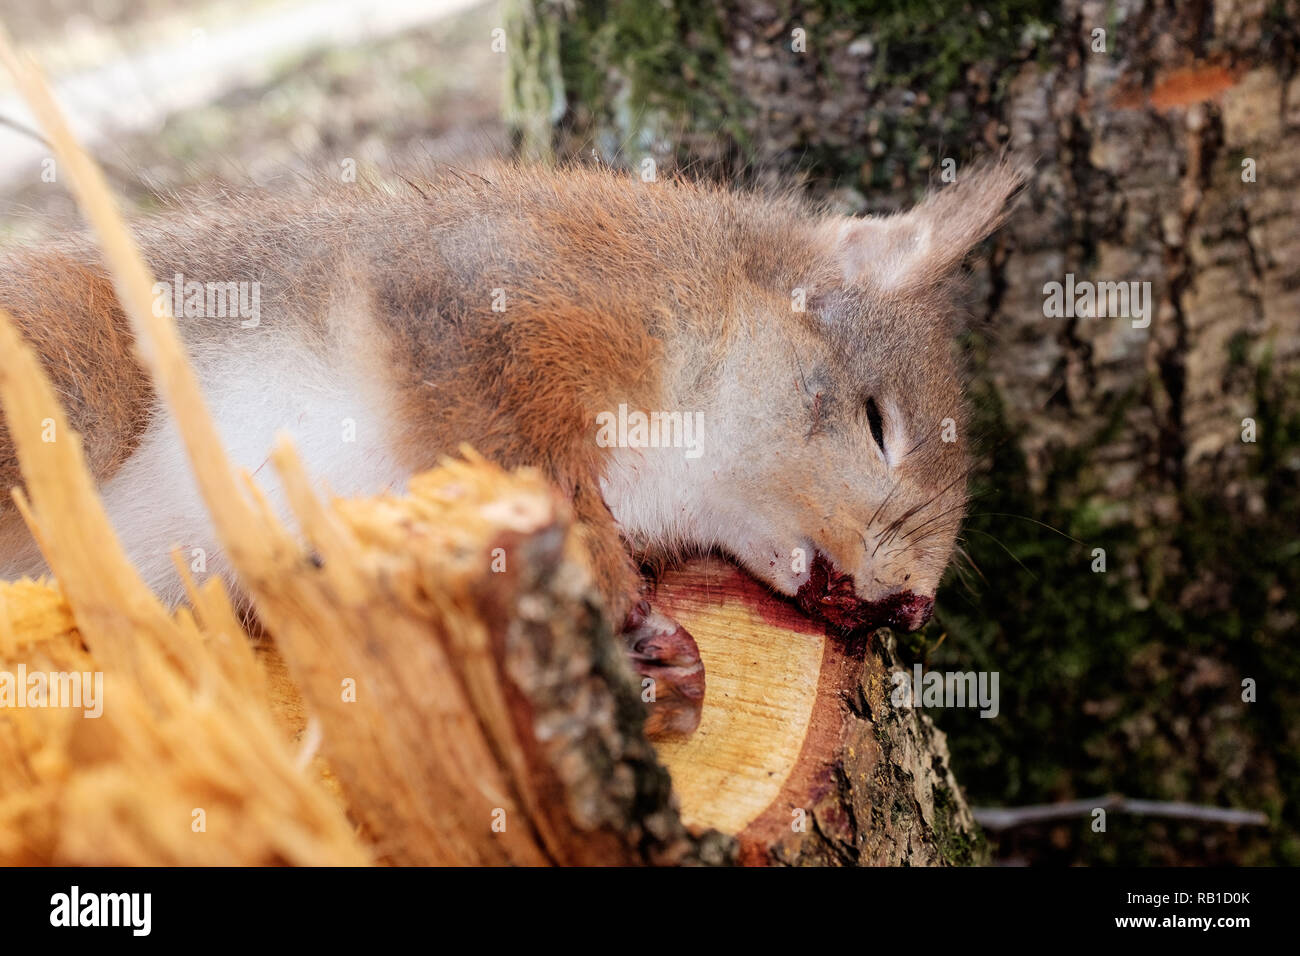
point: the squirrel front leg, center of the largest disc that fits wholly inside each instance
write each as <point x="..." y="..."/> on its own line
<point x="662" y="652"/>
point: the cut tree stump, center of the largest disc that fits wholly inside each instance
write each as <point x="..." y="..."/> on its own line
<point x="800" y="754"/>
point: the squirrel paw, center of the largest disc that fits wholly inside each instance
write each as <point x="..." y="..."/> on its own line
<point x="664" y="652"/>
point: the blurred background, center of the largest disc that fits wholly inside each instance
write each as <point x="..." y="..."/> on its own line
<point x="1167" y="145"/>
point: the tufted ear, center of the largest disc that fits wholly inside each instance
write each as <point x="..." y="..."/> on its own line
<point x="923" y="246"/>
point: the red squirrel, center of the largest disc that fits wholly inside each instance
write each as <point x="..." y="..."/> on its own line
<point x="694" y="367"/>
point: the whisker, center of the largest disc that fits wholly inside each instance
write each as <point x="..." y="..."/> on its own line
<point x="961" y="550"/>
<point x="882" y="505"/>
<point x="914" y="544"/>
<point x="957" y="507"/>
<point x="1006" y="549"/>
<point x="896" y="525"/>
<point x="918" y="444"/>
<point x="1041" y="524"/>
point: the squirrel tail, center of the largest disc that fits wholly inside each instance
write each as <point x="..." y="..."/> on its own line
<point x="67" y="310"/>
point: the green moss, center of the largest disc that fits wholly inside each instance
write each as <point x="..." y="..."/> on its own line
<point x="631" y="71"/>
<point x="634" y="78"/>
<point x="928" y="44"/>
<point x="958" y="846"/>
<point x="926" y="48"/>
<point x="534" y="92"/>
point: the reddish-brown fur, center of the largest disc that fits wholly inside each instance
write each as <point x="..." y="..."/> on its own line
<point x="68" y="311"/>
<point x="654" y="295"/>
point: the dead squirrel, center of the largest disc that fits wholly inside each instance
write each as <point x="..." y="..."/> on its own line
<point x="561" y="319"/>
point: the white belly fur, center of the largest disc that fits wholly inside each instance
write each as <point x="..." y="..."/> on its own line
<point x="254" y="389"/>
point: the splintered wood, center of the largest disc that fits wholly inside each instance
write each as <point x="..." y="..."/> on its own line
<point x="184" y="763"/>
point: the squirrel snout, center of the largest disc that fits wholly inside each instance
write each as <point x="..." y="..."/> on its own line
<point x="913" y="610"/>
<point x="829" y="595"/>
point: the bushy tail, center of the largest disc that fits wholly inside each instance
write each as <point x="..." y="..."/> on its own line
<point x="65" y="307"/>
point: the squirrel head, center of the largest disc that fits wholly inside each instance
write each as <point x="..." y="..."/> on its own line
<point x="837" y="448"/>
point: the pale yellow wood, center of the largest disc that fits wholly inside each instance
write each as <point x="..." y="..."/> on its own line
<point x="761" y="686"/>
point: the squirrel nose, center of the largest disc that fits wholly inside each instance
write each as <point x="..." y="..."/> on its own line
<point x="913" y="610"/>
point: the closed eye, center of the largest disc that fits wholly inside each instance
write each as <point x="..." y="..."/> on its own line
<point x="877" y="425"/>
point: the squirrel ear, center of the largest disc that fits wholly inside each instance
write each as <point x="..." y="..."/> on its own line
<point x="923" y="246"/>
